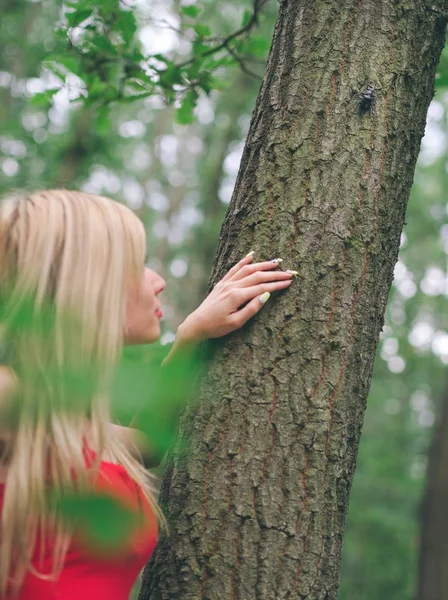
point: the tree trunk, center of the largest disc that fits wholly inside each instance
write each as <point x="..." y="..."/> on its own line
<point x="212" y="174"/>
<point x="258" y="506"/>
<point x="433" y="574"/>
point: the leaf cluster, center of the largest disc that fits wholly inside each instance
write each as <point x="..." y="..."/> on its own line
<point x="104" y="51"/>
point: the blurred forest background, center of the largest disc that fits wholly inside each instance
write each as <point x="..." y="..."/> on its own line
<point x="179" y="179"/>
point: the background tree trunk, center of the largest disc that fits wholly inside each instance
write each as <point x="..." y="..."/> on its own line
<point x="258" y="506"/>
<point x="433" y="575"/>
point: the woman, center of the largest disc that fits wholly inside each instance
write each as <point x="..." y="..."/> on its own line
<point x="73" y="291"/>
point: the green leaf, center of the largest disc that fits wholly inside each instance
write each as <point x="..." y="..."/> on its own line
<point x="258" y="46"/>
<point x="97" y="89"/>
<point x="207" y="82"/>
<point x="134" y="55"/>
<point x="190" y="11"/>
<point x="199" y="48"/>
<point x="171" y="76"/>
<point x="137" y="87"/>
<point x="126" y="25"/>
<point x="185" y="114"/>
<point x="103" y="121"/>
<point x="203" y="31"/>
<point x="154" y="394"/>
<point x="161" y="57"/>
<point x="19" y="315"/>
<point x="441" y="81"/>
<point x="77" y="17"/>
<point x="82" y="4"/>
<point x="102" y="43"/>
<point x="105" y="521"/>
<point x="106" y="7"/>
<point x="56" y="69"/>
<point x="134" y="97"/>
<point x="69" y="62"/>
<point x="246" y="18"/>
<point x="43" y="99"/>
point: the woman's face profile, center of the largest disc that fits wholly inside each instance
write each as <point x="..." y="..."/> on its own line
<point x="143" y="310"/>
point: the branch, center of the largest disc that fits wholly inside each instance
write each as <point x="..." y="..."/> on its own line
<point x="242" y="64"/>
<point x="253" y="21"/>
<point x="164" y="24"/>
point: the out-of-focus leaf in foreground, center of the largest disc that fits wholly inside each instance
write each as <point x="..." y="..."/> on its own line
<point x="99" y="520"/>
<point x="29" y="337"/>
<point x="154" y="395"/>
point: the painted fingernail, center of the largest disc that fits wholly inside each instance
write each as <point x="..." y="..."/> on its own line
<point x="264" y="297"/>
<point x="277" y="260"/>
<point x="250" y="253"/>
<point x="292" y="272"/>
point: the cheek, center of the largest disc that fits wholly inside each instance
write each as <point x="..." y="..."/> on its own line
<point x="148" y="300"/>
<point x="142" y="323"/>
<point x="148" y="320"/>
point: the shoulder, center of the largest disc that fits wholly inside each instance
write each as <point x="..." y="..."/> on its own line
<point x="112" y="475"/>
<point x="113" y="480"/>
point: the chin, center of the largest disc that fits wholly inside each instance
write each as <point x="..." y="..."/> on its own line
<point x="148" y="336"/>
<point x="154" y="334"/>
<point x="154" y="338"/>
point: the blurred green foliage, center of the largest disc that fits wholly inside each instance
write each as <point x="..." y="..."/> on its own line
<point x="149" y="396"/>
<point x="102" y="521"/>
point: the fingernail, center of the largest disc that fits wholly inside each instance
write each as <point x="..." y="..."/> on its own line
<point x="277" y="260"/>
<point x="264" y="297"/>
<point x="250" y="253"/>
<point x="292" y="272"/>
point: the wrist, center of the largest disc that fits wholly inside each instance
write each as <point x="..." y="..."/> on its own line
<point x="189" y="332"/>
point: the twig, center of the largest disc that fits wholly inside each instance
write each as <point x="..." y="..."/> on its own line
<point x="242" y="64"/>
<point x="164" y="24"/>
<point x="257" y="7"/>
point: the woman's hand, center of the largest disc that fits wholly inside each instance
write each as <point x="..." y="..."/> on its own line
<point x="220" y="313"/>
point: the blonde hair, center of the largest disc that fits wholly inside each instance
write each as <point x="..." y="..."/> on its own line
<point x="74" y="257"/>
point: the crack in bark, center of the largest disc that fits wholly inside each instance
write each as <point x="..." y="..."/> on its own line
<point x="347" y="36"/>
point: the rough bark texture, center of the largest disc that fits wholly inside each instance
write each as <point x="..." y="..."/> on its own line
<point x="433" y="573"/>
<point x="258" y="507"/>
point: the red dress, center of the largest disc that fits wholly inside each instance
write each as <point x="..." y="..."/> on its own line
<point x="86" y="575"/>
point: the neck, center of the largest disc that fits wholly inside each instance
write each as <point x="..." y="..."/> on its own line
<point x="4" y="459"/>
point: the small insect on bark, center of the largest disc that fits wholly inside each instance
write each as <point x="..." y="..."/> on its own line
<point x="367" y="100"/>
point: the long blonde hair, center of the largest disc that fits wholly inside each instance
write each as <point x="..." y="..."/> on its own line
<point x="74" y="257"/>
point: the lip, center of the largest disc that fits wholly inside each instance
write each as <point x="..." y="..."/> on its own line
<point x="159" y="313"/>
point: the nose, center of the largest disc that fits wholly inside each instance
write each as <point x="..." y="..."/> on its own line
<point x="157" y="281"/>
<point x="160" y="284"/>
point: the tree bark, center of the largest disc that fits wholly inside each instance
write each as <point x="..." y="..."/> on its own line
<point x="212" y="174"/>
<point x="433" y="575"/>
<point x="258" y="506"/>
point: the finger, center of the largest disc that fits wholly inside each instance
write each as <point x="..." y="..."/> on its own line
<point x="246" y="270"/>
<point x="262" y="277"/>
<point x="250" y="309"/>
<point x="247" y="293"/>
<point x="244" y="261"/>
